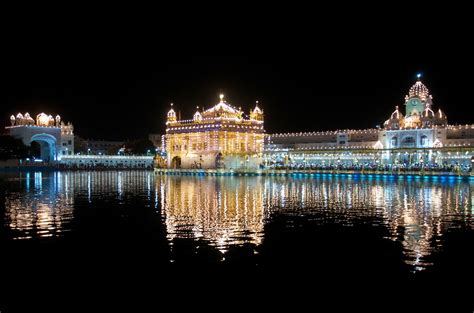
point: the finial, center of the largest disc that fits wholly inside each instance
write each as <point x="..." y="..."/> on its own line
<point x="197" y="107"/>
<point x="221" y="96"/>
<point x="396" y="107"/>
<point x="171" y="104"/>
<point x="418" y="76"/>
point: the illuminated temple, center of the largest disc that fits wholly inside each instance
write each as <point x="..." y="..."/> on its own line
<point x="219" y="137"/>
<point x="418" y="138"/>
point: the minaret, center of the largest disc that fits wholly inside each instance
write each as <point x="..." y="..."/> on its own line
<point x="197" y="116"/>
<point x="257" y="113"/>
<point x="171" y="118"/>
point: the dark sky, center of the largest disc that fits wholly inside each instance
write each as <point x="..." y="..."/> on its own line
<point x="115" y="81"/>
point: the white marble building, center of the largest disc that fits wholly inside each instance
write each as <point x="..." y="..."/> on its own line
<point x="420" y="136"/>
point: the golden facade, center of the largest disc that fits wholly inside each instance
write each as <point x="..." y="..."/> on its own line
<point x="220" y="137"/>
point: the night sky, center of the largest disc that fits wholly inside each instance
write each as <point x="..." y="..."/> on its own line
<point x="116" y="81"/>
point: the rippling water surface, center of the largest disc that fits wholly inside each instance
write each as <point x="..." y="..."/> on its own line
<point x="312" y="225"/>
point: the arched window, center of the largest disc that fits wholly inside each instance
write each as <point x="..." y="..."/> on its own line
<point x="423" y="141"/>
<point x="394" y="141"/>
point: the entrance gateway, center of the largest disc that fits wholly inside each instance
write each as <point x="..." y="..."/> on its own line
<point x="55" y="138"/>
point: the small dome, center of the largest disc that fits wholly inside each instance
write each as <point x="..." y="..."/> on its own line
<point x="42" y="119"/>
<point x="222" y="109"/>
<point x="257" y="110"/>
<point x="419" y="90"/>
<point x="396" y="114"/>
<point x="171" y="114"/>
<point x="20" y="116"/>
<point x="428" y="112"/>
<point x="197" y="116"/>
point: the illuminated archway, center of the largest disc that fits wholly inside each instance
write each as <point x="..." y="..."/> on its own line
<point x="176" y="162"/>
<point x="48" y="146"/>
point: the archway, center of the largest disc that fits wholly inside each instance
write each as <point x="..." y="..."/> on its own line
<point x="47" y="146"/>
<point x="219" y="160"/>
<point x="176" y="162"/>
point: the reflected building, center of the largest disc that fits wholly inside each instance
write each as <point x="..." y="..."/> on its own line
<point x="224" y="211"/>
<point x="229" y="211"/>
<point x="42" y="204"/>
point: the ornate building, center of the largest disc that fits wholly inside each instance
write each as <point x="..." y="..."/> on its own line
<point x="55" y="138"/>
<point x="219" y="137"/>
<point x="421" y="137"/>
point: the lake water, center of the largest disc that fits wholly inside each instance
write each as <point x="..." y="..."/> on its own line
<point x="222" y="242"/>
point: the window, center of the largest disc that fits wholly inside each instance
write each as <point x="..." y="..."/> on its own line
<point x="394" y="141"/>
<point x="423" y="140"/>
<point x="69" y="142"/>
<point x="408" y="142"/>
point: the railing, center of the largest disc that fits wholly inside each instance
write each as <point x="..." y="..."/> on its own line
<point x="272" y="172"/>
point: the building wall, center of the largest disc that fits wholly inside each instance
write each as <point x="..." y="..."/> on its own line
<point x="204" y="149"/>
<point x="67" y="145"/>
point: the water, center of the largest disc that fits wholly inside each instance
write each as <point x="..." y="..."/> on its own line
<point x="166" y="237"/>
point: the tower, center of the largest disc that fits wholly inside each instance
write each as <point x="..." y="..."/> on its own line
<point x="418" y="99"/>
<point x="171" y="117"/>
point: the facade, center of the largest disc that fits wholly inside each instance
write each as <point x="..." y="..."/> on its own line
<point x="99" y="147"/>
<point x="219" y="137"/>
<point x="106" y="161"/>
<point x="419" y="138"/>
<point x="56" y="139"/>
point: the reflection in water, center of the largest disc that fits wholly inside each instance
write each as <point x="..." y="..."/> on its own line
<point x="227" y="211"/>
<point x="232" y="210"/>
<point x="47" y="209"/>
<point x="223" y="210"/>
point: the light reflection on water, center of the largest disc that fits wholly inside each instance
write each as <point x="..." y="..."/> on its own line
<point x="228" y="211"/>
